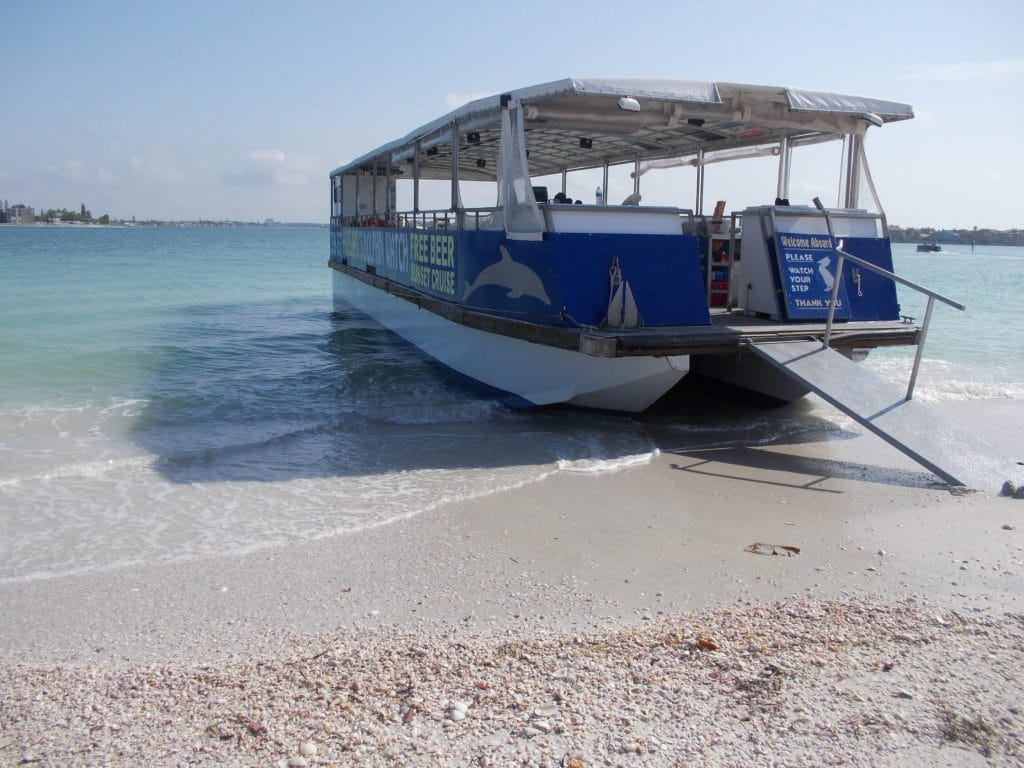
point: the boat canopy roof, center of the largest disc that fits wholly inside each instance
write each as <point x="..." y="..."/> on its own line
<point x="574" y="124"/>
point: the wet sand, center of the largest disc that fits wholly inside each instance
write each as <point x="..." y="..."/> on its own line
<point x="575" y="558"/>
<point x="576" y="549"/>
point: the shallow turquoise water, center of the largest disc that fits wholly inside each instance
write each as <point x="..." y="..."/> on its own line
<point x="979" y="347"/>
<point x="171" y="393"/>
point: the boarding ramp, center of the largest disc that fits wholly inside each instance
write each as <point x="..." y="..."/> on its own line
<point x="875" y="404"/>
<point x="884" y="409"/>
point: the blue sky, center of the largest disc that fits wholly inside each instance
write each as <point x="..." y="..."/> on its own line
<point x="178" y="110"/>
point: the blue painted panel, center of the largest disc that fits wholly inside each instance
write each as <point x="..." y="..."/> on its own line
<point x="875" y="297"/>
<point x="806" y="271"/>
<point x="427" y="260"/>
<point x="561" y="280"/>
<point x="663" y="272"/>
<point x="514" y="278"/>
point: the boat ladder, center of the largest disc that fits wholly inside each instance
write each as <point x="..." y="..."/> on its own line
<point x="882" y="408"/>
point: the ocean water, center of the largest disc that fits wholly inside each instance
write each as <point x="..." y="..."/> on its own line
<point x="173" y="393"/>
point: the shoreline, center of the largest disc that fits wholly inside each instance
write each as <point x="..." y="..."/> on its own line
<point x="664" y="537"/>
<point x="569" y="619"/>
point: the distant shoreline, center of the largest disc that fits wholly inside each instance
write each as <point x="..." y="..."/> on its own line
<point x="200" y="223"/>
<point x="1003" y="237"/>
<point x="1011" y="237"/>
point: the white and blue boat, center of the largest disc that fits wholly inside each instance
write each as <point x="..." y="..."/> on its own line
<point x="604" y="305"/>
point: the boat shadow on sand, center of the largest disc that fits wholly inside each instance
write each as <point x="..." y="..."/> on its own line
<point x="741" y="436"/>
<point x="767" y="467"/>
<point x="341" y="397"/>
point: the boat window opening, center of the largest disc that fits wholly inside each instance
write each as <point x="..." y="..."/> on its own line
<point x="818" y="170"/>
<point x="434" y="196"/>
<point x="860" y="187"/>
<point x="745" y="183"/>
<point x="621" y="185"/>
<point x="670" y="186"/>
<point x="869" y="185"/>
<point x="478" y="201"/>
<point x="364" y="199"/>
<point x="574" y="186"/>
<point x="667" y="187"/>
<point x="480" y="194"/>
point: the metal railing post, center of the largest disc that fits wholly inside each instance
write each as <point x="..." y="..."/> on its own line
<point x="835" y="296"/>
<point x="932" y="296"/>
<point x="920" y="347"/>
<point x="839" y="273"/>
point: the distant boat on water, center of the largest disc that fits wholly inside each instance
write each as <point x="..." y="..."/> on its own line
<point x="929" y="246"/>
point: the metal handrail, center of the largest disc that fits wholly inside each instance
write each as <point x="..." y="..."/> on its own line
<point x="442" y="218"/>
<point x="932" y="296"/>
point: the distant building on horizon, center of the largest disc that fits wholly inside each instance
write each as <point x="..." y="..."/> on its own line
<point x="17" y="214"/>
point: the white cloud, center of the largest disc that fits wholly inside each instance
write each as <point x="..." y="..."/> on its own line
<point x="293" y="178"/>
<point x="74" y="170"/>
<point x="162" y="164"/>
<point x="266" y="155"/>
<point x="273" y="167"/>
<point x="77" y="171"/>
<point x="964" y="70"/>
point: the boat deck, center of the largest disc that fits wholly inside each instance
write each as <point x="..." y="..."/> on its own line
<point x="730" y="332"/>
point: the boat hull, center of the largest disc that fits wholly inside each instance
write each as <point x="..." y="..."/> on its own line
<point x="534" y="373"/>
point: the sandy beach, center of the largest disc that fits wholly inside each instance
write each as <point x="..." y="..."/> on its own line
<point x="744" y="606"/>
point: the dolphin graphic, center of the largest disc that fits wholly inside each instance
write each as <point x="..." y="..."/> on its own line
<point x="825" y="274"/>
<point x="506" y="273"/>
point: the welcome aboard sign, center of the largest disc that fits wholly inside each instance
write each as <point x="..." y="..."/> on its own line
<point x="807" y="272"/>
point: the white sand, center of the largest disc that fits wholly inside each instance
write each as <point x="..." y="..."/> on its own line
<point x="570" y="560"/>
